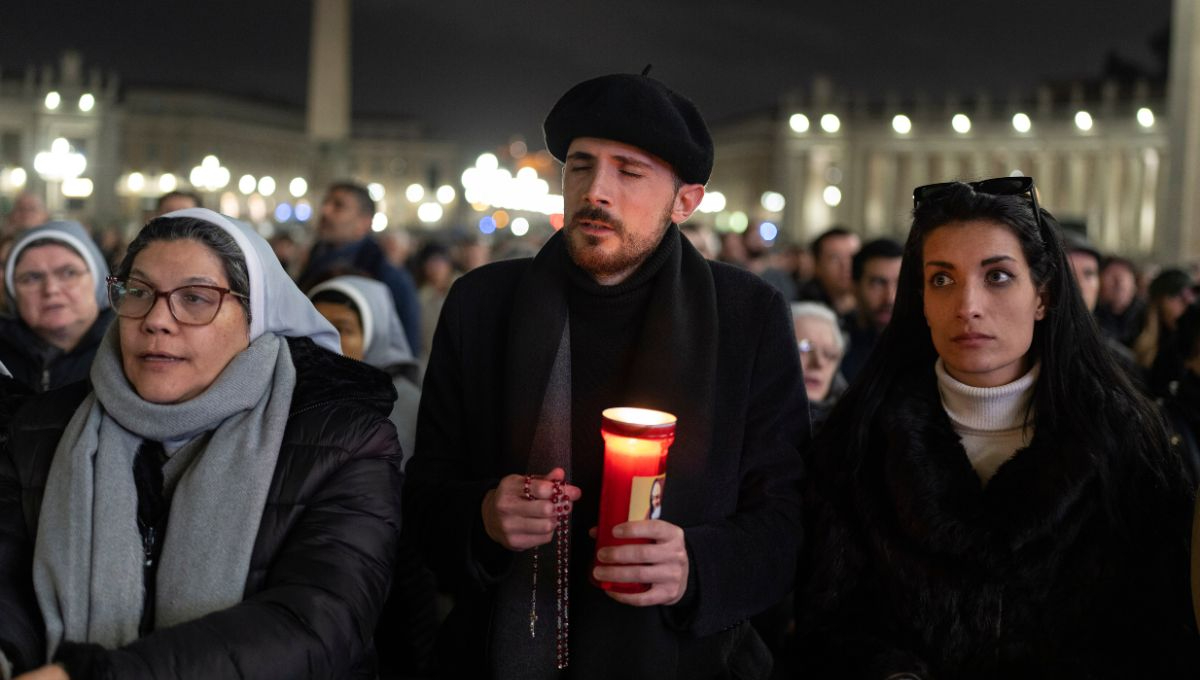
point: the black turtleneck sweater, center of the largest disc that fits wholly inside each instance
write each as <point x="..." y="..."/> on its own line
<point x="606" y="322"/>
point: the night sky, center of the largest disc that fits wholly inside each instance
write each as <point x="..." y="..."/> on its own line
<point x="478" y="72"/>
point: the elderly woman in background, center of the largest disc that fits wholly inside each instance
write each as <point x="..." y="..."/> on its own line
<point x="54" y="277"/>
<point x="220" y="501"/>
<point x="364" y="315"/>
<point x="821" y="350"/>
<point x="992" y="498"/>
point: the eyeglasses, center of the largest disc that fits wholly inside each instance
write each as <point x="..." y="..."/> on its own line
<point x="195" y="305"/>
<point x="808" y="346"/>
<point x="998" y="186"/>
<point x="63" y="275"/>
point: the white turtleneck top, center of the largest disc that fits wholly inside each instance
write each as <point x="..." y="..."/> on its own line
<point x="989" y="420"/>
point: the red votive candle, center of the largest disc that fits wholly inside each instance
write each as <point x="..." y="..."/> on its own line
<point x="635" y="473"/>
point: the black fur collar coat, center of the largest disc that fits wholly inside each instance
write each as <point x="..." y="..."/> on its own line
<point x="1070" y="563"/>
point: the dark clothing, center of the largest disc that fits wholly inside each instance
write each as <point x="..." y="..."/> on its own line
<point x="781" y="281"/>
<point x="860" y="341"/>
<point x="1168" y="364"/>
<point x="734" y="496"/>
<point x="813" y="291"/>
<point x="12" y="396"/>
<point x="41" y="366"/>
<point x="366" y="258"/>
<point x="819" y="410"/>
<point x="1126" y="359"/>
<point x="1182" y="410"/>
<point x="1126" y="326"/>
<point x="1069" y="563"/>
<point x="321" y="563"/>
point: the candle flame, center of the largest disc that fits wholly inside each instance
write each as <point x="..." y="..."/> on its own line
<point x="639" y="416"/>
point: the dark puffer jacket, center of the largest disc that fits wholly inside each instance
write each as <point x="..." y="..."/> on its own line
<point x="321" y="564"/>
<point x="41" y="367"/>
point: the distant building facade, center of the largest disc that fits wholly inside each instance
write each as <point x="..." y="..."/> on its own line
<point x="1097" y="154"/>
<point x="141" y="142"/>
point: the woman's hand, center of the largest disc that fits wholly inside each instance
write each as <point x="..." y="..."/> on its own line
<point x="48" y="672"/>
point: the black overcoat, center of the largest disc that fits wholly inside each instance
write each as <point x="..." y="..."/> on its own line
<point x="321" y="563"/>
<point x="739" y="505"/>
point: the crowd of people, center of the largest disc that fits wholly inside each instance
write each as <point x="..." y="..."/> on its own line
<point x="973" y="454"/>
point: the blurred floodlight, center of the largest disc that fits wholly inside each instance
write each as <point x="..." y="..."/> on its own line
<point x="1021" y="122"/>
<point x="961" y="123"/>
<point x="246" y="184"/>
<point x="1145" y="117"/>
<point x="266" y="185"/>
<point x="713" y="202"/>
<point x="167" y="183"/>
<point x="53" y="99"/>
<point x="768" y="231"/>
<point x="772" y="201"/>
<point x="283" y="212"/>
<point x="87" y="102"/>
<point x="832" y="196"/>
<point x="902" y="124"/>
<point x="445" y="194"/>
<point x="520" y="226"/>
<point x="738" y="221"/>
<point x="77" y="187"/>
<point x="379" y="222"/>
<point x="414" y="193"/>
<point x="429" y="212"/>
<point x="1083" y="120"/>
<point x="304" y="211"/>
<point x="17" y="177"/>
<point x="298" y="187"/>
<point x="487" y="161"/>
<point x="830" y="123"/>
<point x="136" y="182"/>
<point x="375" y="190"/>
<point x="798" y="122"/>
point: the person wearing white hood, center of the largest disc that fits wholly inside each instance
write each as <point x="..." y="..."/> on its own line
<point x="364" y="315"/>
<point x="54" y="278"/>
<point x="220" y="501"/>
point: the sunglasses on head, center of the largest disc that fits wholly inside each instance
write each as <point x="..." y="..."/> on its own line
<point x="997" y="186"/>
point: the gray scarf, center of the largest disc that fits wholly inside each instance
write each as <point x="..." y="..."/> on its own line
<point x="88" y="557"/>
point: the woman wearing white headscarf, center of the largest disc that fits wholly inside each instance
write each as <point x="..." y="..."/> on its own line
<point x="220" y="501"/>
<point x="364" y="315"/>
<point x="54" y="279"/>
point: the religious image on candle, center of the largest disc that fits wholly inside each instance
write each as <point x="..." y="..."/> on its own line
<point x="645" y="497"/>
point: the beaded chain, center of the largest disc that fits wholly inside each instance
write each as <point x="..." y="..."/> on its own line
<point x="562" y="593"/>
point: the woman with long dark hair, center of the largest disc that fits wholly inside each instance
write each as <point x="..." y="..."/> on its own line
<point x="992" y="498"/>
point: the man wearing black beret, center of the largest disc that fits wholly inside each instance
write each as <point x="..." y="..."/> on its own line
<point x="615" y="310"/>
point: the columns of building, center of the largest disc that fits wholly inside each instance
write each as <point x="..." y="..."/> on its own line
<point x="1177" y="237"/>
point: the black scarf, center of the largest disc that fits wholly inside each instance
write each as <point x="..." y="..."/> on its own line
<point x="673" y="370"/>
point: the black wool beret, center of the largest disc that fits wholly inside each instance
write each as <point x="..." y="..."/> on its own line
<point x="635" y="110"/>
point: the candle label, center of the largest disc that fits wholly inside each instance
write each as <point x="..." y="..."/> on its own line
<point x="645" y="497"/>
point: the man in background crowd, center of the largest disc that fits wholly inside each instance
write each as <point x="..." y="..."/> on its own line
<point x="875" y="271"/>
<point x="832" y="283"/>
<point x="344" y="246"/>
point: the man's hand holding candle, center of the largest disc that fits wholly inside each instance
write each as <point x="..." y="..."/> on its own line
<point x="662" y="563"/>
<point x="518" y="523"/>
